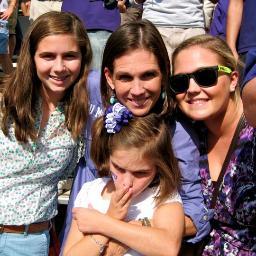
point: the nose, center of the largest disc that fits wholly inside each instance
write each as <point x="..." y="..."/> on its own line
<point x="193" y="86"/>
<point x="59" y="65"/>
<point x="128" y="180"/>
<point x="137" y="88"/>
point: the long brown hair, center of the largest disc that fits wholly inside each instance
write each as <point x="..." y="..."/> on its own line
<point x="151" y="136"/>
<point x="21" y="89"/>
<point x="131" y="36"/>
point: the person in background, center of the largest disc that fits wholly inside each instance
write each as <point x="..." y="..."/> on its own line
<point x="137" y="193"/>
<point x="219" y="20"/>
<point x="43" y="110"/>
<point x="7" y="9"/>
<point x="241" y="28"/>
<point x="177" y="20"/>
<point x="129" y="12"/>
<point x="248" y="88"/>
<point x="100" y="21"/>
<point x="25" y="7"/>
<point x="39" y="7"/>
<point x="205" y="86"/>
<point x="135" y="71"/>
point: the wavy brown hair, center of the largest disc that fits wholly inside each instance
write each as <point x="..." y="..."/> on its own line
<point x="151" y="136"/>
<point x="131" y="36"/>
<point x="21" y="89"/>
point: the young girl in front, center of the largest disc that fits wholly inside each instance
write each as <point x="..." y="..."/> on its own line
<point x="139" y="206"/>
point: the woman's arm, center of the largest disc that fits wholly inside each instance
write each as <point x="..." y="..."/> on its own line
<point x="163" y="238"/>
<point x="234" y="18"/>
<point x="185" y="146"/>
<point x="249" y="88"/>
<point x="78" y="242"/>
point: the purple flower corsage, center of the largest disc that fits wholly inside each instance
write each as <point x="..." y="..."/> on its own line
<point x="116" y="116"/>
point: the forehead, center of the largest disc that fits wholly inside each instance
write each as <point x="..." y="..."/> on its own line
<point x="130" y="158"/>
<point x="58" y="42"/>
<point x="195" y="57"/>
<point x="138" y="59"/>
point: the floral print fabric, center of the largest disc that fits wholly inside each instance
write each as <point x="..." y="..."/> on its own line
<point x="234" y="220"/>
<point x="29" y="172"/>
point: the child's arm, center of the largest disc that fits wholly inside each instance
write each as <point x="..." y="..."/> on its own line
<point x="163" y="238"/>
<point x="77" y="242"/>
<point x="94" y="243"/>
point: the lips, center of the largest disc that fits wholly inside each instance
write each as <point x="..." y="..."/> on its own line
<point x="139" y="102"/>
<point x="58" y="78"/>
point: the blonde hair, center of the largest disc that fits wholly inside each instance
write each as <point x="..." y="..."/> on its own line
<point x="215" y="45"/>
<point x="151" y="136"/>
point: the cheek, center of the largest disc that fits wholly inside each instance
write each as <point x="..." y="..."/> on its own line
<point x="121" y="89"/>
<point x="180" y="98"/>
<point x="76" y="67"/>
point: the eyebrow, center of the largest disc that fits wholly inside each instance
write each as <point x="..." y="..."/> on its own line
<point x="69" y="52"/>
<point x="117" y="166"/>
<point x="155" y="71"/>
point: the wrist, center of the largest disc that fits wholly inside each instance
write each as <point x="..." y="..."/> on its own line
<point x="101" y="243"/>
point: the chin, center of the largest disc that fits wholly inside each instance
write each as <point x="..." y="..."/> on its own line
<point x="140" y="112"/>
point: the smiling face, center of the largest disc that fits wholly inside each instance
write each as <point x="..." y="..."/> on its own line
<point x="136" y="80"/>
<point x="58" y="62"/>
<point x="203" y="103"/>
<point x="129" y="169"/>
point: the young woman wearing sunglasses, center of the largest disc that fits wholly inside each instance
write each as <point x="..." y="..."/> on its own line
<point x="205" y="82"/>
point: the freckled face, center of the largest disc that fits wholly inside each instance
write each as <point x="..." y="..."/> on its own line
<point x="203" y="103"/>
<point x="136" y="80"/>
<point x="58" y="63"/>
<point x="131" y="170"/>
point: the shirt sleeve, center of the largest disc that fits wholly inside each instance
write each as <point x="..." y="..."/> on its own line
<point x="175" y="198"/>
<point x="185" y="146"/>
<point x="82" y="196"/>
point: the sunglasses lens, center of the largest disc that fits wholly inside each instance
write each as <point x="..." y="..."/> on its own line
<point x="179" y="83"/>
<point x="206" y="77"/>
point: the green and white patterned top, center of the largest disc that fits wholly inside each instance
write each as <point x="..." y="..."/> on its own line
<point x="29" y="173"/>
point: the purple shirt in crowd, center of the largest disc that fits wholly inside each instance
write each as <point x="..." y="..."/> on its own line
<point x="93" y="14"/>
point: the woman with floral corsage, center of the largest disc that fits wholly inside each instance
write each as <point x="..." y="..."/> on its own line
<point x="136" y="202"/>
<point x="205" y="86"/>
<point x="136" y="71"/>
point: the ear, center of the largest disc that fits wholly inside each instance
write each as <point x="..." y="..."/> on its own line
<point x="109" y="78"/>
<point x="234" y="77"/>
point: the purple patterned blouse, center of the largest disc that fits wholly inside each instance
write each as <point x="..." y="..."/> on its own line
<point x="234" y="219"/>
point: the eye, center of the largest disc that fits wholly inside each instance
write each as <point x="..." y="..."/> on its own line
<point x="124" y="78"/>
<point x="148" y="75"/>
<point x="119" y="169"/>
<point x="47" y="56"/>
<point x="140" y="174"/>
<point x="70" y="56"/>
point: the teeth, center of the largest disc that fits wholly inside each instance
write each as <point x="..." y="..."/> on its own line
<point x="197" y="101"/>
<point x="58" y="78"/>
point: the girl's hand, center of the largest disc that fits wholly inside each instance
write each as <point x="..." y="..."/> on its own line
<point x="115" y="248"/>
<point x="119" y="203"/>
<point x="88" y="220"/>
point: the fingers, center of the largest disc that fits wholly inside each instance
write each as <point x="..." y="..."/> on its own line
<point x="126" y="199"/>
<point x="121" y="193"/>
